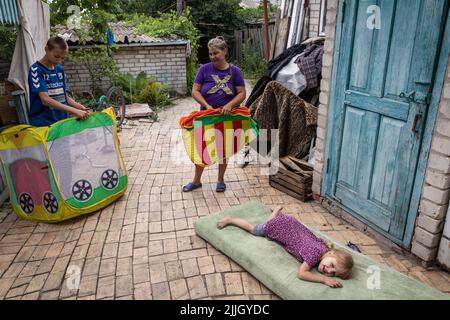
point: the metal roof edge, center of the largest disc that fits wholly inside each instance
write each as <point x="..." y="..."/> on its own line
<point x="143" y="44"/>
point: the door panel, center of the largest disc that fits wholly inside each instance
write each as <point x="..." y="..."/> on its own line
<point x="401" y="48"/>
<point x="382" y="186"/>
<point x="384" y="77"/>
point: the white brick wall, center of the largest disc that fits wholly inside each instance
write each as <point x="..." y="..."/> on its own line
<point x="330" y="33"/>
<point x="166" y="63"/>
<point x="436" y="192"/>
<point x="314" y="19"/>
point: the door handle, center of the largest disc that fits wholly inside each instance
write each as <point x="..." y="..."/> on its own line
<point x="416" y="121"/>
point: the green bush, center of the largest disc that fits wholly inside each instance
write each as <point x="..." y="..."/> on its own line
<point x="253" y="65"/>
<point x="144" y="89"/>
<point x="156" y="95"/>
<point x="132" y="86"/>
<point x="8" y="37"/>
<point x="168" y="25"/>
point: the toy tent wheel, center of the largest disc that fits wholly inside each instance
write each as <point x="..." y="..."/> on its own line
<point x="82" y="190"/>
<point x="110" y="179"/>
<point x="50" y="202"/>
<point x="26" y="203"/>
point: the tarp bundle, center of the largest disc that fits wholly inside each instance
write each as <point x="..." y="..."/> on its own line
<point x="209" y="136"/>
<point x="70" y="168"/>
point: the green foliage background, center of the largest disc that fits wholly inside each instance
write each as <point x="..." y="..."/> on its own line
<point x="8" y="35"/>
<point x="168" y="25"/>
<point x="202" y="21"/>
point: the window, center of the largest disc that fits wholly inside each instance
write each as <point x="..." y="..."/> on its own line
<point x="323" y="16"/>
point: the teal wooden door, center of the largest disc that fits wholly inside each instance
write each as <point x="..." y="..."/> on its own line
<point x="387" y="57"/>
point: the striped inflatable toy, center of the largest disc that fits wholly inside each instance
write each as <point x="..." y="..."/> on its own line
<point x="209" y="136"/>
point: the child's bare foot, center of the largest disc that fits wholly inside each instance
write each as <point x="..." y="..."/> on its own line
<point x="222" y="223"/>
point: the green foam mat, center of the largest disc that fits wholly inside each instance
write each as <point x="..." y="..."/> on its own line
<point x="277" y="269"/>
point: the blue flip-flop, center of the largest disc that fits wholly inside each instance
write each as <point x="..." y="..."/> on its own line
<point x="221" y="187"/>
<point x="191" y="186"/>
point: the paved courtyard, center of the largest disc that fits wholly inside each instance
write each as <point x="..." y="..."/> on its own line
<point x="144" y="245"/>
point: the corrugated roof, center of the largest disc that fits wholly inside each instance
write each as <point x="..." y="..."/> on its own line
<point x="123" y="34"/>
<point x="8" y="12"/>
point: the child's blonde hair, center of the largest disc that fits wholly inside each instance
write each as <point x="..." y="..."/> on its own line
<point x="344" y="260"/>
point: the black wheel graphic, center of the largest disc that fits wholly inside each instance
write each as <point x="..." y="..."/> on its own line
<point x="26" y="203"/>
<point x="110" y="179"/>
<point x="50" y="202"/>
<point x="82" y="190"/>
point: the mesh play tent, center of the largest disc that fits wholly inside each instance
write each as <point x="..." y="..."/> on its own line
<point x="70" y="168"/>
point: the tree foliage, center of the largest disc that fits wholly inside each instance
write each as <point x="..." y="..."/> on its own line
<point x="251" y="15"/>
<point x="218" y="17"/>
<point x="8" y="35"/>
<point x="60" y="10"/>
<point x="151" y="8"/>
<point x="99" y="64"/>
<point x="168" y="25"/>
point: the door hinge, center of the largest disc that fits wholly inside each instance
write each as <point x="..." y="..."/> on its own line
<point x="344" y="4"/>
<point x="423" y="98"/>
<point x="328" y="165"/>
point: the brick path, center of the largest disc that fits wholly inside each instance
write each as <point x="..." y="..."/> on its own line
<point x="144" y="245"/>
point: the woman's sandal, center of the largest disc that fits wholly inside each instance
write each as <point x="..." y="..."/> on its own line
<point x="221" y="187"/>
<point x="191" y="186"/>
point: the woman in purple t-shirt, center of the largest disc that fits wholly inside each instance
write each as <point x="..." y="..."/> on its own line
<point x="300" y="242"/>
<point x="218" y="85"/>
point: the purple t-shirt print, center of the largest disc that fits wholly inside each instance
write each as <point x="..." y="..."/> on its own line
<point x="219" y="86"/>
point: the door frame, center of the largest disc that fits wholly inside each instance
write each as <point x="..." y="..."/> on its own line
<point x="425" y="146"/>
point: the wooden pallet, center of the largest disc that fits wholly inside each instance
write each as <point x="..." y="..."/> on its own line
<point x="294" y="177"/>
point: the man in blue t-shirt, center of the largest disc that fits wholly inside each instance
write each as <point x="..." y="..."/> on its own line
<point x="49" y="102"/>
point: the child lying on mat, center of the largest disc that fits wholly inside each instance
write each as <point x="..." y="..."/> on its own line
<point x="299" y="241"/>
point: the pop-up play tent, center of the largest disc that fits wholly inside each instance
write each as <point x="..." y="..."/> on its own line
<point x="68" y="169"/>
<point x="209" y="136"/>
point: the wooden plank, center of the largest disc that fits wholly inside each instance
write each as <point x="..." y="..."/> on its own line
<point x="299" y="176"/>
<point x="281" y="165"/>
<point x="285" y="181"/>
<point x="302" y="164"/>
<point x="239" y="45"/>
<point x="289" y="192"/>
<point x="262" y="45"/>
<point x="292" y="165"/>
<point x="271" y="33"/>
<point x="289" y="173"/>
<point x="283" y="33"/>
<point x="275" y="35"/>
<point x="291" y="180"/>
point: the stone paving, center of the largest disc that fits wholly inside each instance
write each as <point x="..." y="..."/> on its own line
<point x="144" y="246"/>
